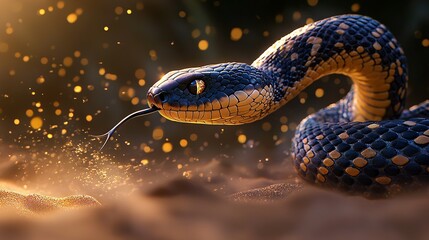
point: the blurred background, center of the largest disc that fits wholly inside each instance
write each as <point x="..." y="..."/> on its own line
<point x="73" y="68"/>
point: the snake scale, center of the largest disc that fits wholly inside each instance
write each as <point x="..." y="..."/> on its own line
<point x="366" y="143"/>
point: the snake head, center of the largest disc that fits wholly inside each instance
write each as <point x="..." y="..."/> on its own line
<point x="221" y="94"/>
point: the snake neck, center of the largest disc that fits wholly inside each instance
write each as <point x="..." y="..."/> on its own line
<point x="356" y="46"/>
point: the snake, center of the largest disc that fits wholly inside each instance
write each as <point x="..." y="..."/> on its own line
<point x="366" y="143"/>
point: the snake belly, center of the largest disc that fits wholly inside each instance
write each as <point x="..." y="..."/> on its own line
<point x="365" y="143"/>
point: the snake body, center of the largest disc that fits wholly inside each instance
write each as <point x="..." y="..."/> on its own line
<point x="365" y="143"/>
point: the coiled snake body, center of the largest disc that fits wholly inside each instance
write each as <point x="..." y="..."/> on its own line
<point x="365" y="143"/>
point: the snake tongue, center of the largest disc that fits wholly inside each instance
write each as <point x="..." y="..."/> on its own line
<point x="135" y="114"/>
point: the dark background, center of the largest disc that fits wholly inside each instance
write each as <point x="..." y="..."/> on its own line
<point x="159" y="36"/>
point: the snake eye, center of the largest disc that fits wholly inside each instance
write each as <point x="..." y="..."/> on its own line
<point x="196" y="87"/>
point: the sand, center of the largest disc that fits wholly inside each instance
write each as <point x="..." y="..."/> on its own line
<point x="20" y="202"/>
<point x="187" y="209"/>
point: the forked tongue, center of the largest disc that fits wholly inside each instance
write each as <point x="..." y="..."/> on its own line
<point x="135" y="114"/>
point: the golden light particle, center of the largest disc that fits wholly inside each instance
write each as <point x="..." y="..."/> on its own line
<point x="88" y="118"/>
<point x="38" y="104"/>
<point x="84" y="61"/>
<point x="312" y="3"/>
<point x="140" y="73"/>
<point x="142" y="82"/>
<point x="101" y="71"/>
<point x="144" y="161"/>
<point x="146" y="148"/>
<point x="153" y="55"/>
<point x="29" y="113"/>
<point x="50" y="9"/>
<point x="355" y="7"/>
<point x="236" y="34"/>
<point x="425" y="42"/>
<point x="16" y="121"/>
<point x="126" y="93"/>
<point x="50" y="135"/>
<point x="195" y="33"/>
<point x="72" y="18"/>
<point x="179" y="166"/>
<point x="40" y="80"/>
<point x="111" y="76"/>
<point x="76" y="54"/>
<point x="193" y="137"/>
<point x="242" y="138"/>
<point x="266" y="126"/>
<point x="187" y="174"/>
<point x="203" y="45"/>
<point x="167" y="147"/>
<point x="41" y="12"/>
<point x="26" y="58"/>
<point x="319" y="92"/>
<point x="60" y="4"/>
<point x="279" y="18"/>
<point x="106" y="28"/>
<point x="183" y="142"/>
<point x="283" y="119"/>
<point x="77" y="89"/>
<point x="157" y="133"/>
<point x="296" y="15"/>
<point x="56" y="103"/>
<point x="36" y="122"/>
<point x="4" y="47"/>
<point x="62" y="72"/>
<point x="309" y="20"/>
<point x="79" y="11"/>
<point x="129" y="11"/>
<point x="9" y="30"/>
<point x="135" y="101"/>
<point x="44" y="60"/>
<point x="63" y="131"/>
<point x="182" y="14"/>
<point x="119" y="10"/>
<point x="284" y="128"/>
<point x="67" y="61"/>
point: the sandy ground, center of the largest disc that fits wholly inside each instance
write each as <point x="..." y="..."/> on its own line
<point x="180" y="208"/>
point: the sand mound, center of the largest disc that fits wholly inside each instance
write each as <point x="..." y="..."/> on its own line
<point x="17" y="201"/>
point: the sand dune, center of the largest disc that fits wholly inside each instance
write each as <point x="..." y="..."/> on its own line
<point x="185" y="209"/>
<point x="18" y="201"/>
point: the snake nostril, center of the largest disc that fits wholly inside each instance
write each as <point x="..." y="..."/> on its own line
<point x="155" y="98"/>
<point x="162" y="97"/>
